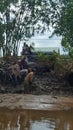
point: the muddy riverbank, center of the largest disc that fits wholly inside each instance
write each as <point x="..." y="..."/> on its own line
<point x="36" y="102"/>
<point x="50" y="92"/>
<point x="43" y="84"/>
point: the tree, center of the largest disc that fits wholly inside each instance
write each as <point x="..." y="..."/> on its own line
<point x="31" y="15"/>
<point x="4" y="24"/>
<point x="62" y="21"/>
<point x="27" y="17"/>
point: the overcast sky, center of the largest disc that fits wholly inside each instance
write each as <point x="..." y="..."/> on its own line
<point x="43" y="40"/>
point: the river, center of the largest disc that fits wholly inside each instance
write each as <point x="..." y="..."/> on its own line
<point x="35" y="119"/>
<point x="35" y="112"/>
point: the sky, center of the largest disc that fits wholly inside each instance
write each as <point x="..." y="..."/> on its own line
<point x="43" y="40"/>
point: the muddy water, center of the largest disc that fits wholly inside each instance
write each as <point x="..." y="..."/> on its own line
<point x="35" y="120"/>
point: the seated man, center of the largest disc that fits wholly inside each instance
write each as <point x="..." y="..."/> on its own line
<point x="23" y="63"/>
<point x="23" y="73"/>
<point x="28" y="81"/>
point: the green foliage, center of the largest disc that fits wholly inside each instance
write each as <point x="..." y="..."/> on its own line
<point x="62" y="21"/>
<point x="43" y="57"/>
<point x="5" y="3"/>
<point x="22" y="27"/>
<point x="54" y="56"/>
<point x="71" y="53"/>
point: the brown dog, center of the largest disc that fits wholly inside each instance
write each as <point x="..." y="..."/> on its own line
<point x="28" y="80"/>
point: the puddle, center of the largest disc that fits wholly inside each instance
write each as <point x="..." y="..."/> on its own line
<point x="35" y="119"/>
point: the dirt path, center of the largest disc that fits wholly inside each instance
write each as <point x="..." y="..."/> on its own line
<point x="41" y="102"/>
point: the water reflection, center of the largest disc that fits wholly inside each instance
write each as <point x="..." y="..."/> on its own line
<point x="35" y="120"/>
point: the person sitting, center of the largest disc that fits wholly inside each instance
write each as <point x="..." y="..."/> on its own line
<point x="23" y="73"/>
<point x="23" y="63"/>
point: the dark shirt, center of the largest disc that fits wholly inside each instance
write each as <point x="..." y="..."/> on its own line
<point x="23" y="64"/>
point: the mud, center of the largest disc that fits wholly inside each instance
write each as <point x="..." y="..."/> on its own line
<point x="36" y="102"/>
<point x="49" y="92"/>
<point x="44" y="83"/>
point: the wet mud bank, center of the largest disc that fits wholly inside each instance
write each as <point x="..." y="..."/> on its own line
<point x="35" y="102"/>
<point x="49" y="92"/>
<point x="43" y="84"/>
